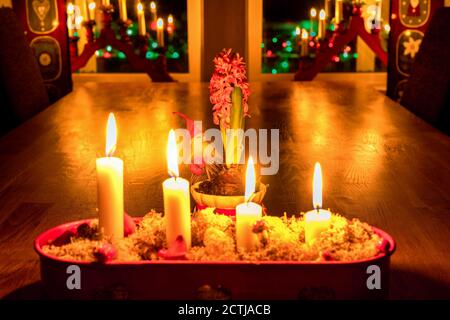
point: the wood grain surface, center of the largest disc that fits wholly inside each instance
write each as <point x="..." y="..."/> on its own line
<point x="380" y="163"/>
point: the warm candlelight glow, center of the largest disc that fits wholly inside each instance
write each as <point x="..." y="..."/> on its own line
<point x="247" y="213"/>
<point x="70" y="8"/>
<point x="249" y="180"/>
<point x="322" y="14"/>
<point x="170" y="19"/>
<point x="313" y="12"/>
<point x="172" y="155"/>
<point x="140" y="7"/>
<point x="304" y="34"/>
<point x="297" y="31"/>
<point x="160" y="23"/>
<point x="317" y="186"/>
<point x="111" y="135"/>
<point x="92" y="6"/>
<point x="152" y="6"/>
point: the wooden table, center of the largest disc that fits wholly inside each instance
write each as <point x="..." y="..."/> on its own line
<point x="380" y="164"/>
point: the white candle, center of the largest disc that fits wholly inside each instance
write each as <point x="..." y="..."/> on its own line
<point x="327" y="8"/>
<point x="304" y="50"/>
<point x="105" y="2"/>
<point x="316" y="220"/>
<point x="153" y="11"/>
<point x="378" y="15"/>
<point x="177" y="208"/>
<point x="160" y="32"/>
<point x="313" y="15"/>
<point x="321" y="31"/>
<point x="110" y="187"/>
<point x="170" y="27"/>
<point x="91" y="8"/>
<point x="141" y="20"/>
<point x="338" y="11"/>
<point x="123" y="10"/>
<point x="247" y="213"/>
<point x="70" y="19"/>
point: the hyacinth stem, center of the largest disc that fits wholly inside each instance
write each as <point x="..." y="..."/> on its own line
<point x="232" y="140"/>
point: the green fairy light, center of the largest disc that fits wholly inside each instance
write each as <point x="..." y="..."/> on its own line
<point x="262" y="44"/>
<point x="285" y="64"/>
<point x="274" y="71"/>
<point x="108" y="48"/>
<point x="150" y="55"/>
<point x="355" y="56"/>
<point x="274" y="39"/>
<point x="175" y="55"/>
<point x="121" y="55"/>
<point x="289" y="49"/>
<point x="154" y="45"/>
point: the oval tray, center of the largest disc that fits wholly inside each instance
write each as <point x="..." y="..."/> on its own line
<point x="177" y="279"/>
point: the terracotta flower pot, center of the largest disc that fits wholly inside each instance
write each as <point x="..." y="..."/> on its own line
<point x="224" y="204"/>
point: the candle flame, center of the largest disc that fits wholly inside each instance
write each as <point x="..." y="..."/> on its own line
<point x="160" y="23"/>
<point x="111" y="135"/>
<point x="92" y="5"/>
<point x="297" y="31"/>
<point x="317" y="186"/>
<point x="172" y="155"/>
<point x="140" y="7"/>
<point x="249" y="179"/>
<point x="313" y="12"/>
<point x="152" y="5"/>
<point x="322" y="14"/>
<point x="170" y="19"/>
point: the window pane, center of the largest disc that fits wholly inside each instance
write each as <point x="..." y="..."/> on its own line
<point x="175" y="36"/>
<point x="283" y="23"/>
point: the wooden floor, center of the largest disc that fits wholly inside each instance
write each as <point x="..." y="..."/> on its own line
<point x="380" y="164"/>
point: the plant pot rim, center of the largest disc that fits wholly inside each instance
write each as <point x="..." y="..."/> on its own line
<point x="224" y="202"/>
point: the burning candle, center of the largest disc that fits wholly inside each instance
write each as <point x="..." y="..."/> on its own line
<point x="105" y="2"/>
<point x="91" y="8"/>
<point x="316" y="220"/>
<point x="327" y="8"/>
<point x="313" y="15"/>
<point x="110" y="186"/>
<point x="70" y="19"/>
<point x="160" y="32"/>
<point x="247" y="213"/>
<point x="338" y="11"/>
<point x="304" y="51"/>
<point x="321" y="32"/>
<point x="177" y="210"/>
<point x="170" y="27"/>
<point x="153" y="11"/>
<point x="378" y="15"/>
<point x="141" y="20"/>
<point x="123" y="10"/>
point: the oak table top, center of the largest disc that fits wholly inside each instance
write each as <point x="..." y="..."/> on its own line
<point x="380" y="163"/>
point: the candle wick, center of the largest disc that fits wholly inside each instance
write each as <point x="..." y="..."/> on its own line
<point x="318" y="208"/>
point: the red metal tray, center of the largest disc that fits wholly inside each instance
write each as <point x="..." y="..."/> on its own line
<point x="167" y="280"/>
